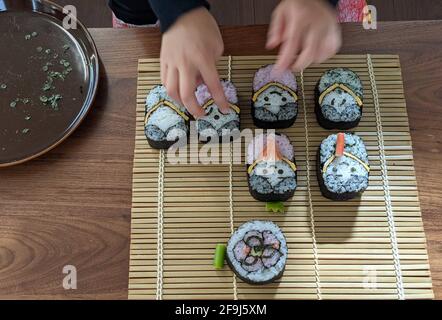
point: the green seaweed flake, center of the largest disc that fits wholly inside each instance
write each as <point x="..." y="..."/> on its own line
<point x="46" y="87"/>
<point x="67" y="71"/>
<point x="275" y="207"/>
<point x="39" y="49"/>
<point x="56" y="74"/>
<point x="52" y="100"/>
<point x="65" y="63"/>
<point x="25" y="130"/>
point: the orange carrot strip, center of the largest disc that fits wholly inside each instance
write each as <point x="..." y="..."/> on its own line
<point x="340" y="144"/>
<point x="271" y="152"/>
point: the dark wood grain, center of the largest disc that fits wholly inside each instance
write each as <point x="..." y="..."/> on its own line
<point x="233" y="13"/>
<point x="72" y="206"/>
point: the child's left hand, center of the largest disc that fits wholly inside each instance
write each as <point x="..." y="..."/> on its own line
<point x="307" y="31"/>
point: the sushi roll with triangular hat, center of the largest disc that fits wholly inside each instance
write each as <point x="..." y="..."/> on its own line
<point x="166" y="121"/>
<point x="342" y="166"/>
<point x="257" y="252"/>
<point x="271" y="169"/>
<point x="339" y="98"/>
<point x="215" y="124"/>
<point x="275" y="99"/>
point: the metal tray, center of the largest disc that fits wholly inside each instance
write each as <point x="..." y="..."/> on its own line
<point x="48" y="78"/>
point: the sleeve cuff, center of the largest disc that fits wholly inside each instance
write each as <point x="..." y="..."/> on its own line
<point x="169" y="11"/>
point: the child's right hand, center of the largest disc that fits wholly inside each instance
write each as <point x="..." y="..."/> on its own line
<point x="307" y="31"/>
<point x="190" y="50"/>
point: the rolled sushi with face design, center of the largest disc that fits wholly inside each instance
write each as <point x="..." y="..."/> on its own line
<point x="342" y="166"/>
<point x="275" y="99"/>
<point x="166" y="121"/>
<point x="216" y="126"/>
<point x="271" y="168"/>
<point x="339" y="99"/>
<point x="257" y="252"/>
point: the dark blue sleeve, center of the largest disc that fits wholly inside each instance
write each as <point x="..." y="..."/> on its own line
<point x="168" y="11"/>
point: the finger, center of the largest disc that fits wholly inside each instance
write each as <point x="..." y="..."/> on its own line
<point x="292" y="40"/>
<point x="211" y="79"/>
<point x="199" y="80"/>
<point x="309" y="48"/>
<point x="329" y="47"/>
<point x="172" y="84"/>
<point x="187" y="87"/>
<point x="164" y="74"/>
<point x="276" y="30"/>
<point x="288" y="52"/>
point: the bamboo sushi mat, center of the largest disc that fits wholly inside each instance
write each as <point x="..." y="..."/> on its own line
<point x="368" y="248"/>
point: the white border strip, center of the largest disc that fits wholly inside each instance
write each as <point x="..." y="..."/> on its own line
<point x="159" y="294"/>
<point x="384" y="170"/>
<point x="310" y="201"/>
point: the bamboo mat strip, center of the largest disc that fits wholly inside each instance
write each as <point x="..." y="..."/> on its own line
<point x="339" y="250"/>
<point x="384" y="170"/>
<point x="160" y="226"/>
<point x="231" y="201"/>
<point x="310" y="201"/>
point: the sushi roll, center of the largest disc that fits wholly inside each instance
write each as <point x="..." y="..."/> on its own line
<point x="275" y="99"/>
<point x="216" y="126"/>
<point x="271" y="168"/>
<point x="257" y="252"/>
<point x="342" y="166"/>
<point x="339" y="99"/>
<point x="166" y="122"/>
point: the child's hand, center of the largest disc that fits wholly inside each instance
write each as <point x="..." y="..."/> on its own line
<point x="189" y="52"/>
<point x="307" y="31"/>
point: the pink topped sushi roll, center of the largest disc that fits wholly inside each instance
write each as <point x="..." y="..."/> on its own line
<point x="275" y="99"/>
<point x="215" y="125"/>
<point x="271" y="168"/>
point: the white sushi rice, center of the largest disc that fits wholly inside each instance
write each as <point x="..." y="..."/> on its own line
<point x="345" y="174"/>
<point x="217" y="121"/>
<point x="263" y="274"/>
<point x="344" y="76"/>
<point x="273" y="99"/>
<point x="164" y="117"/>
<point x="339" y="105"/>
<point x="272" y="177"/>
<point x="158" y="93"/>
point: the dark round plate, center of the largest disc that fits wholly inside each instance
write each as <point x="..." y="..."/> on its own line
<point x="48" y="80"/>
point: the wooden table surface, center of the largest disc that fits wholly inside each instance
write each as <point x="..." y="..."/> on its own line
<point x="72" y="205"/>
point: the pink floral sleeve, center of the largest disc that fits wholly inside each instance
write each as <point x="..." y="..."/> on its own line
<point x="351" y="10"/>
